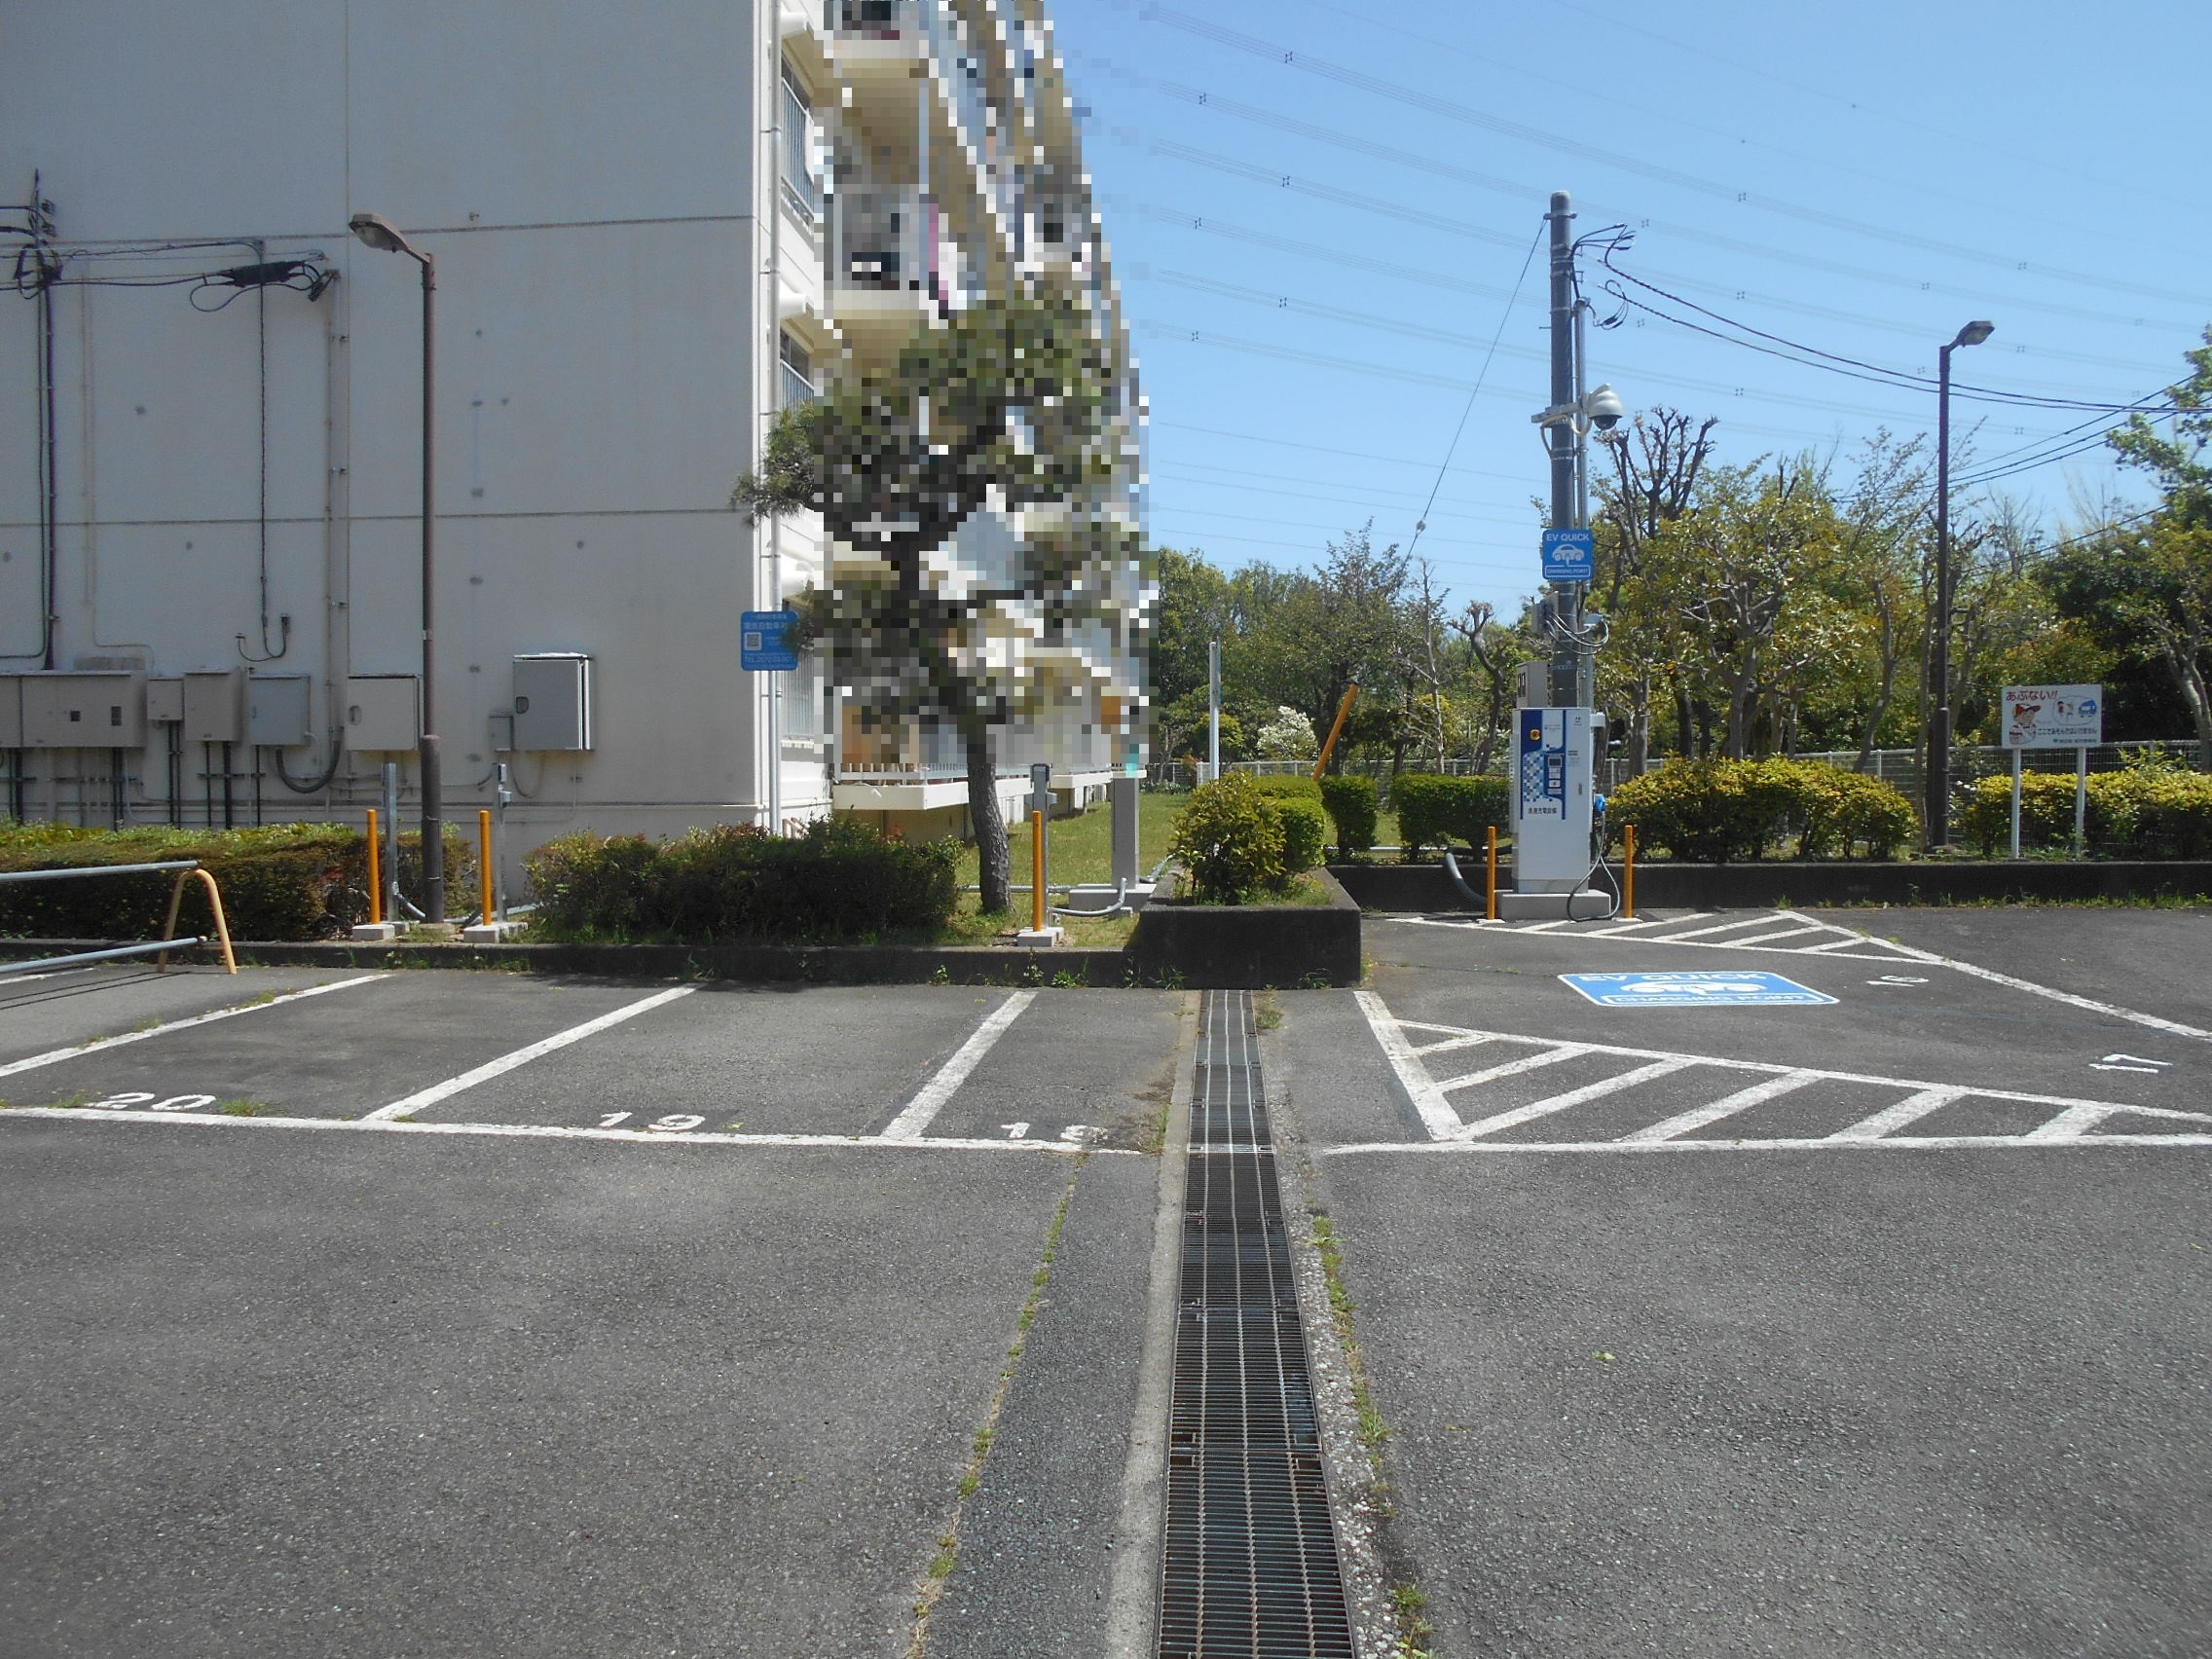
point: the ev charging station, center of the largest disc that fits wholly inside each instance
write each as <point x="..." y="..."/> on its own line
<point x="1558" y="735"/>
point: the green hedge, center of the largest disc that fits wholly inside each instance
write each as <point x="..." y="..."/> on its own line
<point x="1351" y="801"/>
<point x="2149" y="811"/>
<point x="282" y="881"/>
<point x="841" y="880"/>
<point x="1242" y="837"/>
<point x="1723" y="811"/>
<point x="1437" y="811"/>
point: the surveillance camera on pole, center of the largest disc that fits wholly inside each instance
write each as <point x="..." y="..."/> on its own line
<point x="1556" y="840"/>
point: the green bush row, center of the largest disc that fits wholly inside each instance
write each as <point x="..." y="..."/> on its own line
<point x="1437" y="811"/>
<point x="1351" y="803"/>
<point x="2140" y="813"/>
<point x="841" y="880"/>
<point x="281" y="881"/>
<point x="1240" y="836"/>
<point x="1721" y="811"/>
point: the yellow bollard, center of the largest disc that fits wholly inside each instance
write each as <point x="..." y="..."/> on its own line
<point x="1628" y="871"/>
<point x="1494" y="872"/>
<point x="376" y="870"/>
<point x="1037" y="869"/>
<point x="484" y="862"/>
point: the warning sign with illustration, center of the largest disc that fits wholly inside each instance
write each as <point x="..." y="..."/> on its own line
<point x="2053" y="717"/>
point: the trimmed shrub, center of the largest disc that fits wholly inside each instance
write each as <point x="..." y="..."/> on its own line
<point x="1287" y="785"/>
<point x="1437" y="811"/>
<point x="1723" y="811"/>
<point x="1351" y="803"/>
<point x="2142" y="812"/>
<point x="1304" y="833"/>
<point x="281" y="881"/>
<point x="589" y="886"/>
<point x="1230" y="840"/>
<point x="839" y="880"/>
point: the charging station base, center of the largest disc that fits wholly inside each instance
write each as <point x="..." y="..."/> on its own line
<point x="1589" y="905"/>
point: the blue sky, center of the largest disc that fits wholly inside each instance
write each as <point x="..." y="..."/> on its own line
<point x="1315" y="253"/>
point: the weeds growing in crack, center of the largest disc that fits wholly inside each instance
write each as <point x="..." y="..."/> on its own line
<point x="939" y="1573"/>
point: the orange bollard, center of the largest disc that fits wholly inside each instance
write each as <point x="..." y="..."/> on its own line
<point x="1037" y="869"/>
<point x="484" y="860"/>
<point x="376" y="870"/>
<point x="1628" y="871"/>
<point x="1494" y="872"/>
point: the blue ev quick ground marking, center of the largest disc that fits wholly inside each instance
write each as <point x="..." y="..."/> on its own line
<point x="1694" y="989"/>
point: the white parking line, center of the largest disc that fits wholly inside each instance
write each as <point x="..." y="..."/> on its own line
<point x="1428" y="1101"/>
<point x="2070" y="1118"/>
<point x="483" y="1073"/>
<point x="1572" y="1097"/>
<point x="1727" y="1106"/>
<point x="929" y="1099"/>
<point x="1910" y="1110"/>
<point x="552" y="1131"/>
<point x="2029" y="985"/>
<point x="55" y="1057"/>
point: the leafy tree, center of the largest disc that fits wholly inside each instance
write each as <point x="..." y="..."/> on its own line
<point x="1006" y="405"/>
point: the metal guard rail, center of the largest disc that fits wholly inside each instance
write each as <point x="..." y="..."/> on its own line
<point x="158" y="948"/>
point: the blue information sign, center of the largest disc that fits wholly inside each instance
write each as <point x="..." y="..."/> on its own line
<point x="1569" y="556"/>
<point x="764" y="641"/>
<point x="1696" y="988"/>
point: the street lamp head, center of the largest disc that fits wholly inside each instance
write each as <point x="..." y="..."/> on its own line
<point x="1974" y="333"/>
<point x="1605" y="407"/>
<point x="380" y="233"/>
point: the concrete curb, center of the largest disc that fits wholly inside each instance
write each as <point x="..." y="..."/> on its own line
<point x="817" y="965"/>
<point x="1250" y="946"/>
<point x="1422" y="888"/>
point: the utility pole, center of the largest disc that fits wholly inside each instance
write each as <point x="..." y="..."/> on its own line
<point x="1213" y="711"/>
<point x="1570" y="680"/>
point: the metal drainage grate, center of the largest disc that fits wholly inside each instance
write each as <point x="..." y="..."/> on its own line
<point x="1250" y="1564"/>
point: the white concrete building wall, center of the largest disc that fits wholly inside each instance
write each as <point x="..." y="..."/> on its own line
<point x="588" y="181"/>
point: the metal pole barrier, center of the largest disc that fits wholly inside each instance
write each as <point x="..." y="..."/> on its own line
<point x="484" y="863"/>
<point x="1493" y="889"/>
<point x="1628" y="871"/>
<point x="376" y="872"/>
<point x="2016" y="803"/>
<point x="2080" y="802"/>
<point x="1037" y="870"/>
<point x="391" y="840"/>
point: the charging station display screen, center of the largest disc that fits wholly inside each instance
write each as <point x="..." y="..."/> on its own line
<point x="1543" y="763"/>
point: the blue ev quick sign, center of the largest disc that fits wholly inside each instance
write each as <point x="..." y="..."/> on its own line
<point x="1696" y="988"/>
<point x="1569" y="556"/>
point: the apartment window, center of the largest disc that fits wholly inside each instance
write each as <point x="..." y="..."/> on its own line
<point x="797" y="372"/>
<point x="802" y="168"/>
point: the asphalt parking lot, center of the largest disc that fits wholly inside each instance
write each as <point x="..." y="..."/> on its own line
<point x="430" y="1312"/>
<point x="1896" y="1344"/>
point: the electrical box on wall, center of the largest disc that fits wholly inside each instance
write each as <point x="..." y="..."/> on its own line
<point x="277" y="710"/>
<point x="382" y="713"/>
<point x="214" y="705"/>
<point x="553" y="701"/>
<point x="83" y="711"/>
<point x="165" y="701"/>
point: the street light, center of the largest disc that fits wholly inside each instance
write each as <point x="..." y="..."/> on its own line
<point x="381" y="235"/>
<point x="1939" y="802"/>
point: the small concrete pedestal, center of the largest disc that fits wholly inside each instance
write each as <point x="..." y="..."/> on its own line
<point x="1588" y="904"/>
<point x="1041" y="939"/>
<point x="374" y="933"/>
<point x="489" y="933"/>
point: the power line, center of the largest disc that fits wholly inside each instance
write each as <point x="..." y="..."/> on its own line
<point x="1524" y="193"/>
<point x="1468" y="408"/>
<point x="1465" y="114"/>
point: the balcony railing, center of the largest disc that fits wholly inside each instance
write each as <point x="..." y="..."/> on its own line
<point x="898" y="241"/>
<point x="797" y="389"/>
<point x="959" y="65"/>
